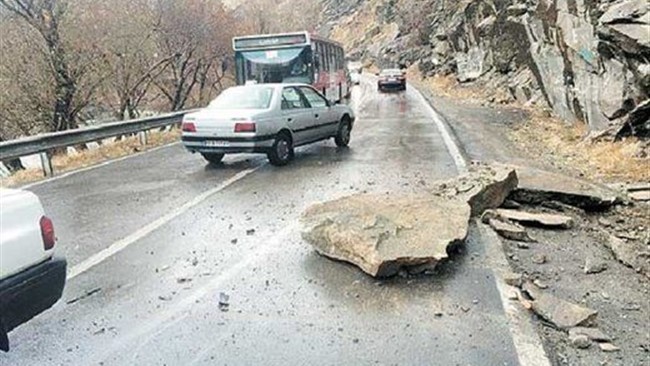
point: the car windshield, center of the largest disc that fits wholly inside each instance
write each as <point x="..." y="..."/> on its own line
<point x="246" y="97"/>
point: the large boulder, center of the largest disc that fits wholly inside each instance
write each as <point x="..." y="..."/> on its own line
<point x="381" y="234"/>
<point x="384" y="233"/>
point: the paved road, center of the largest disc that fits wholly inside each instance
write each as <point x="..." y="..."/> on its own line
<point x="155" y="239"/>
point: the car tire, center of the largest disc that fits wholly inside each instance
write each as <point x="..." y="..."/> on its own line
<point x="281" y="152"/>
<point x="213" y="158"/>
<point x="342" y="138"/>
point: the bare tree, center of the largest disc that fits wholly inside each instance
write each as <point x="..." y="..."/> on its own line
<point x="45" y="17"/>
<point x="194" y="34"/>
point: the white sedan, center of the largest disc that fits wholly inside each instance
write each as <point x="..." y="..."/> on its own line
<point x="267" y="118"/>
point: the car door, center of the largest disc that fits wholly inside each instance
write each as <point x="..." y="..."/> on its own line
<point x="325" y="120"/>
<point x="296" y="113"/>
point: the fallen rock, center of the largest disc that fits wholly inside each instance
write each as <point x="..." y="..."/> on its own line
<point x="510" y="230"/>
<point x="539" y="259"/>
<point x="580" y="341"/>
<point x="513" y="279"/>
<point x="593" y="334"/>
<point x="383" y="234"/>
<point x="594" y="265"/>
<point x="562" y="314"/>
<point x="640" y="196"/>
<point x="484" y="187"/>
<point x="537" y="219"/>
<point x="537" y="186"/>
<point x="608" y="347"/>
<point x="632" y="254"/>
<point x="540" y="284"/>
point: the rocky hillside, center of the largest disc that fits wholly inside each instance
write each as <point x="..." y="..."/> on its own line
<point x="586" y="60"/>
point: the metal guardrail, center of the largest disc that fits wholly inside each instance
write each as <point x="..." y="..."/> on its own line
<point x="43" y="143"/>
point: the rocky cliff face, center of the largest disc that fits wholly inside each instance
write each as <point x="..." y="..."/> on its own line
<point x="587" y="60"/>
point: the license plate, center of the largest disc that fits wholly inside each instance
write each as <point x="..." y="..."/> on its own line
<point x="392" y="79"/>
<point x="217" y="143"/>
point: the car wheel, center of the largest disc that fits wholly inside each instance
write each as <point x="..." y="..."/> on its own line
<point x="213" y="158"/>
<point x="282" y="150"/>
<point x="342" y="137"/>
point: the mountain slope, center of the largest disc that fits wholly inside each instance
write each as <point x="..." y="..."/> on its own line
<point x="586" y="60"/>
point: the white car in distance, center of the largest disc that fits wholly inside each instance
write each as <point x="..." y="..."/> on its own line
<point x="272" y="119"/>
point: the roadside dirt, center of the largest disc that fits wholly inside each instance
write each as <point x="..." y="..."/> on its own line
<point x="81" y="159"/>
<point x="550" y="141"/>
<point x="619" y="294"/>
<point x="556" y="260"/>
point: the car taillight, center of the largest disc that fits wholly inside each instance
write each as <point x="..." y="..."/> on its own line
<point x="188" y="127"/>
<point x="245" y="127"/>
<point x="47" y="233"/>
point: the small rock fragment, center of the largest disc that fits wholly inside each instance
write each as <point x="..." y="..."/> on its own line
<point x="507" y="229"/>
<point x="560" y="313"/>
<point x="250" y="232"/>
<point x="640" y="196"/>
<point x="593" y="334"/>
<point x="608" y="347"/>
<point x="628" y="253"/>
<point x="604" y="222"/>
<point x="580" y="341"/>
<point x="224" y="304"/>
<point x="594" y="265"/>
<point x="164" y="298"/>
<point x="540" y="284"/>
<point x="539" y="259"/>
<point x="537" y="219"/>
<point x="522" y="245"/>
<point x="513" y="279"/>
<point x="234" y="241"/>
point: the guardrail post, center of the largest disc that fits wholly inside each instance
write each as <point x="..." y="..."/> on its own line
<point x="46" y="164"/>
<point x="143" y="135"/>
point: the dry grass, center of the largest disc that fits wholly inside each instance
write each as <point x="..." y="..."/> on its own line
<point x="64" y="163"/>
<point x="550" y="139"/>
<point x="448" y="86"/>
<point x="565" y="145"/>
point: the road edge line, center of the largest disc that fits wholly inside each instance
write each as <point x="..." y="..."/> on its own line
<point x="450" y="142"/>
<point x="123" y="243"/>
<point x="528" y="344"/>
<point x="95" y="166"/>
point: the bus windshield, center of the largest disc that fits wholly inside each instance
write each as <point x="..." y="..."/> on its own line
<point x="288" y="65"/>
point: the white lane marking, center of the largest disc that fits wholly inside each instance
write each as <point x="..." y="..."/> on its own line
<point x="81" y="170"/>
<point x="528" y="345"/>
<point x="166" y="315"/>
<point x="146" y="230"/>
<point x="454" y="151"/>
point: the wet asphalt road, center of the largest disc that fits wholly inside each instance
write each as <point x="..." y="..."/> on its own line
<point x="156" y="301"/>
